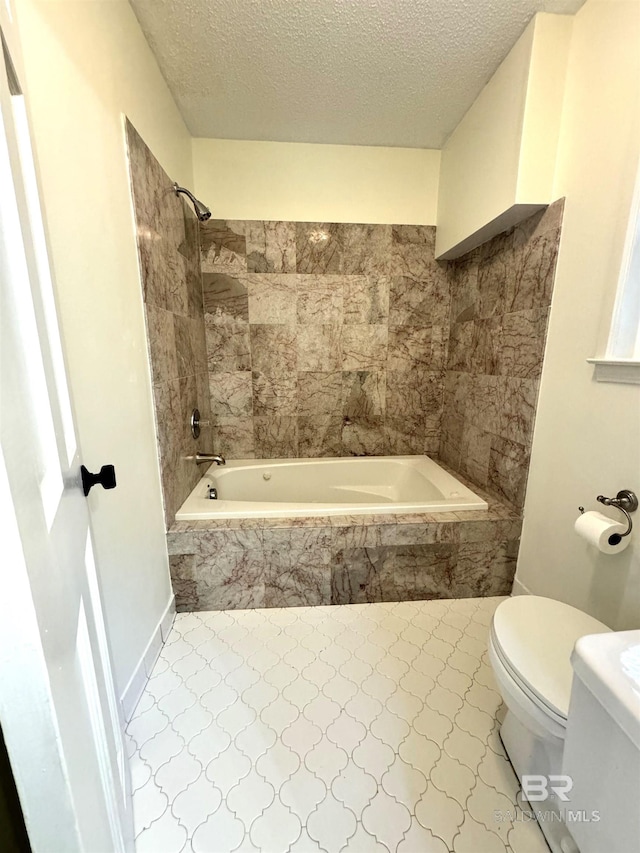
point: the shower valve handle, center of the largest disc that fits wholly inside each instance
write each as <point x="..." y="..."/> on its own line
<point x="106" y="478"/>
<point x="195" y="422"/>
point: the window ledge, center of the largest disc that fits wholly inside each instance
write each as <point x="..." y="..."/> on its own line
<point x="625" y="370"/>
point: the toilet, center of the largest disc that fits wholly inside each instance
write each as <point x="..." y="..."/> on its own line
<point x="530" y="648"/>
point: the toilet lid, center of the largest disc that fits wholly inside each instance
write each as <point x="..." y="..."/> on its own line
<point x="535" y="637"/>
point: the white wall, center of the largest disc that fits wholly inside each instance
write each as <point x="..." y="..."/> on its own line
<point x="87" y="64"/>
<point x="498" y="164"/>
<point x="543" y="108"/>
<point x="587" y="434"/>
<point x="316" y="183"/>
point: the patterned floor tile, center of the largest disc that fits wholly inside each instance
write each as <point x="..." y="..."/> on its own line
<point x="221" y="831"/>
<point x="164" y="834"/>
<point x="465" y="748"/>
<point x="306" y="844"/>
<point x="354" y="788"/>
<point x="140" y="772"/>
<point x="390" y="729"/>
<point x="386" y="819"/>
<point x="194" y="805"/>
<point x="276" y="829"/>
<point x="228" y="769"/>
<point x="250" y="797"/>
<point x="331" y="824"/>
<point x="278" y="764"/>
<point x="322" y="711"/>
<point x="404" y="783"/>
<point x="326" y="761"/>
<point x="177" y="774"/>
<point x="149" y="804"/>
<point x="439" y="813"/>
<point x="453" y="778"/>
<point x="362" y="841"/>
<point x="303" y="792"/>
<point x="474" y="837"/>
<point x="419" y="838"/>
<point x="366" y="728"/>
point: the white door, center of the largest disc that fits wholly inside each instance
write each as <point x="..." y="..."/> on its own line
<point x="58" y="711"/>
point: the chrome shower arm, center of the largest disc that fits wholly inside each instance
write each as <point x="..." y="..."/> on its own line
<point x="202" y="211"/>
<point x="184" y="190"/>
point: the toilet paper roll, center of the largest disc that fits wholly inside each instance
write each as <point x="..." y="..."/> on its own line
<point x="598" y="529"/>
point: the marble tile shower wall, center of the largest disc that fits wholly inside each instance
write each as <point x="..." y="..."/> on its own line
<point x="500" y="306"/>
<point x="324" y="340"/>
<point x="169" y="255"/>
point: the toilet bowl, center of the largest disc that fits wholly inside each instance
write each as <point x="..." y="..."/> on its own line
<point x="530" y="649"/>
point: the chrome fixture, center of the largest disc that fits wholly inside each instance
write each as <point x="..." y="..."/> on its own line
<point x="202" y="458"/>
<point x="626" y="501"/>
<point x="196" y="423"/>
<point x="212" y="493"/>
<point x="202" y="211"/>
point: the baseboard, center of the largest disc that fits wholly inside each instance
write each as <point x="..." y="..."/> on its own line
<point x="519" y="588"/>
<point x="134" y="689"/>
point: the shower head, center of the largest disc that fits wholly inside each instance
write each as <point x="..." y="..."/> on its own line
<point x="202" y="211"/>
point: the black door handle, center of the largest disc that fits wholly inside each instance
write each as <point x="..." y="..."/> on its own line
<point x="105" y="478"/>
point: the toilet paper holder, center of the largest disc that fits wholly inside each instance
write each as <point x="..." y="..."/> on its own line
<point x="626" y="501"/>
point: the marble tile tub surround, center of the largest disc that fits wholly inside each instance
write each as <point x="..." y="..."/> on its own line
<point x="501" y="293"/>
<point x="324" y="339"/>
<point x="169" y="255"/>
<point x="351" y="339"/>
<point x="231" y="564"/>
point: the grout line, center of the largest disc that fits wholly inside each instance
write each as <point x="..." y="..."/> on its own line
<point x="281" y="637"/>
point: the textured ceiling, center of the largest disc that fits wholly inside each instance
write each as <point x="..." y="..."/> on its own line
<point x="355" y="72"/>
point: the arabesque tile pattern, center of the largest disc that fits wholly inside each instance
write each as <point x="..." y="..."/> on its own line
<point x="363" y="728"/>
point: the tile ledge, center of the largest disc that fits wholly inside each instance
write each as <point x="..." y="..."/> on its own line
<point x="495" y="512"/>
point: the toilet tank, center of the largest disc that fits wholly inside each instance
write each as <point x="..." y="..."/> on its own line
<point x="602" y="745"/>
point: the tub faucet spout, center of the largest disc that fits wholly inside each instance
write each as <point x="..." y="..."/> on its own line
<point x="202" y="458"/>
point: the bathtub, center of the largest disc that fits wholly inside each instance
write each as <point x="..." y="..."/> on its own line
<point x="284" y="488"/>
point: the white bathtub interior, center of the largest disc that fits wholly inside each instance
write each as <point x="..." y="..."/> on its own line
<point x="273" y="488"/>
